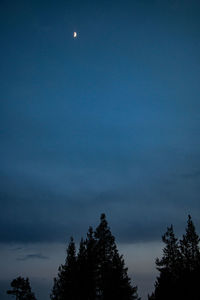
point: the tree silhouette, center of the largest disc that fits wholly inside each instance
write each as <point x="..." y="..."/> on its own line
<point x="179" y="267"/>
<point x="90" y="273"/>
<point x="21" y="289"/>
<point x="97" y="272"/>
<point x="112" y="279"/>
<point x="190" y="254"/>
<point x="189" y="246"/>
<point x="65" y="285"/>
<point x="168" y="266"/>
<point x="171" y="254"/>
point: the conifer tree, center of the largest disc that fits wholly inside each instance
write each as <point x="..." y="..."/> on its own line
<point x="105" y="252"/>
<point x="189" y="246"/>
<point x="190" y="254"/>
<point x="21" y="289"/>
<point x="179" y="267"/>
<point x="81" y="272"/>
<point x="171" y="259"/>
<point x="121" y="280"/>
<point x="92" y="264"/>
<point x="112" y="279"/>
<point x="87" y="267"/>
<point x="65" y="285"/>
<point x="169" y="267"/>
<point x="97" y="272"/>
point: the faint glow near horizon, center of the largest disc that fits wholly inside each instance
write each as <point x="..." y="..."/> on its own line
<point x="139" y="258"/>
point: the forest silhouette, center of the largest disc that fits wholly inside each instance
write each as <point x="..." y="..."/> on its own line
<point x="96" y="271"/>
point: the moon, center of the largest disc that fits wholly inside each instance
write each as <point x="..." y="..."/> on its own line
<point x="75" y="34"/>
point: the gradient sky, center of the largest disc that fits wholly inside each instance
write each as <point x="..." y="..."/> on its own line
<point x="108" y="122"/>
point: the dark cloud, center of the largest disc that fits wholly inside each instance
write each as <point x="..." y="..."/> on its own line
<point x="134" y="213"/>
<point x="32" y="256"/>
<point x="139" y="203"/>
<point x="16" y="248"/>
<point x="192" y="175"/>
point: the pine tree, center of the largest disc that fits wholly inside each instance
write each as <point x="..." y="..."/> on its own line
<point x="179" y="267"/>
<point x="92" y="264"/>
<point x="189" y="246"/>
<point x="121" y="280"/>
<point x="21" y="289"/>
<point x="169" y="268"/>
<point x="171" y="259"/>
<point x="65" y="285"/>
<point x="190" y="253"/>
<point x="81" y="272"/>
<point x="97" y="272"/>
<point x="105" y="252"/>
<point x="112" y="279"/>
<point x="87" y="266"/>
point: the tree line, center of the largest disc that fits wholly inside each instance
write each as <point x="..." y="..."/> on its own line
<point x="96" y="270"/>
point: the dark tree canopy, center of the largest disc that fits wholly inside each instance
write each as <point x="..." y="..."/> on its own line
<point x="96" y="272"/>
<point x="112" y="279"/>
<point x="189" y="246"/>
<point x="21" y="289"/>
<point x="179" y="267"/>
<point x="65" y="284"/>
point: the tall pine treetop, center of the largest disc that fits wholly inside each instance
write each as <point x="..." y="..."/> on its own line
<point x="171" y="253"/>
<point x="97" y="272"/>
<point x="179" y="268"/>
<point x="190" y="245"/>
<point x="105" y="239"/>
<point x="71" y="252"/>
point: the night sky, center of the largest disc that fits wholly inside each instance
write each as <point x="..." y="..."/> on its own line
<point x="107" y="122"/>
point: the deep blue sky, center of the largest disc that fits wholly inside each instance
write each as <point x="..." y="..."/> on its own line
<point x="108" y="122"/>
